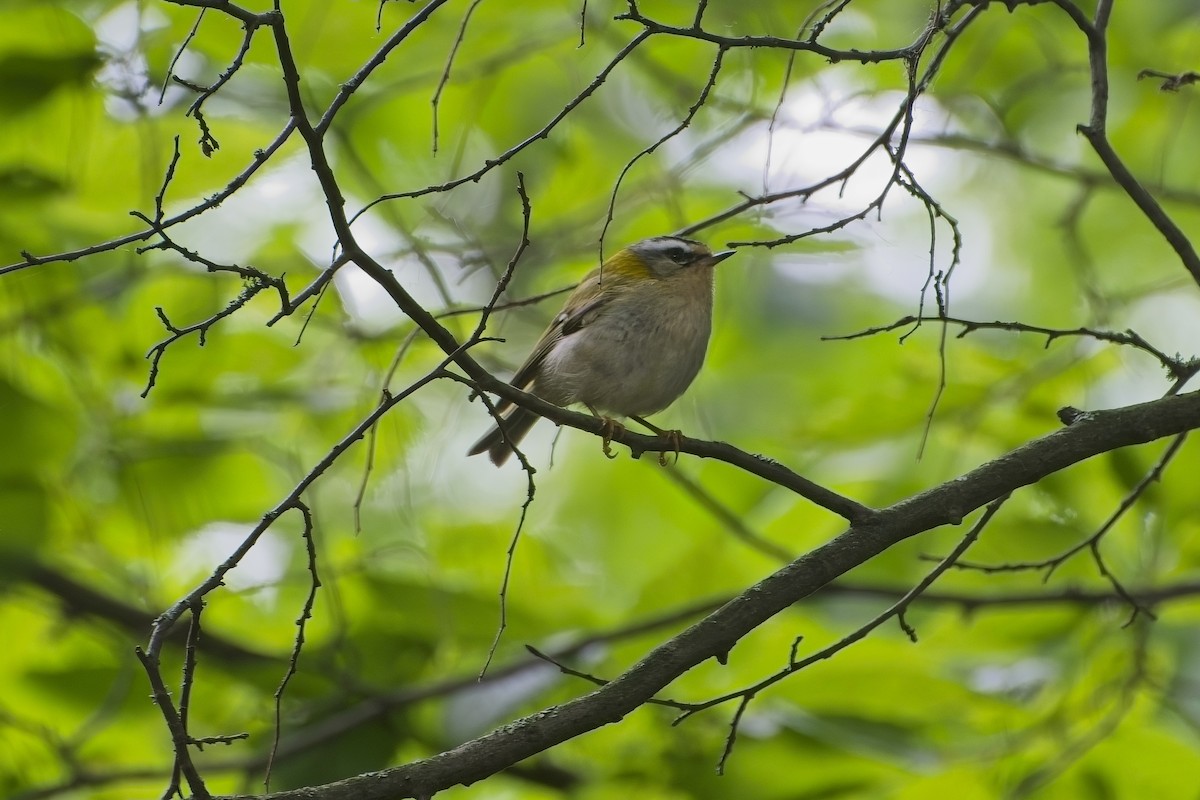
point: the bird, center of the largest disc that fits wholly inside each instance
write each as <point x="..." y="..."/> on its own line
<point x="629" y="340"/>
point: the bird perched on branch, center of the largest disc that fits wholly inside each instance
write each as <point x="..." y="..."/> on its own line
<point x="628" y="342"/>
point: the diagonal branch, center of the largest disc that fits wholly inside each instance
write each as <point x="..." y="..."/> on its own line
<point x="1088" y="435"/>
<point x="511" y="152"/>
<point x="753" y="463"/>
<point x="1096" y="132"/>
<point x="241" y="179"/>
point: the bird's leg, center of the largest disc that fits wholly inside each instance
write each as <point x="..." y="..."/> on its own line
<point x="611" y="429"/>
<point x="673" y="438"/>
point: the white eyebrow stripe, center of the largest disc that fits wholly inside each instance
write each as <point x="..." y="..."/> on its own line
<point x="665" y="244"/>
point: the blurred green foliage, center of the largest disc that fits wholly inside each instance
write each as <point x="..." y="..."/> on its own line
<point x="139" y="499"/>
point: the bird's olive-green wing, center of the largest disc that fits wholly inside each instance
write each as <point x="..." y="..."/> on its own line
<point x="568" y="321"/>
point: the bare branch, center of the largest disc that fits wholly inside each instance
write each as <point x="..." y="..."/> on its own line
<point x="1095" y="433"/>
<point x="687" y="120"/>
<point x="832" y="54"/>
<point x="260" y="158"/>
<point x="1176" y="367"/>
<point x="179" y="734"/>
<point x="437" y="94"/>
<point x="508" y="154"/>
<point x="1171" y="82"/>
<point x="310" y="547"/>
<point x="755" y="464"/>
<point x="895" y="610"/>
<point x="1092" y="544"/>
<point x="1096" y="132"/>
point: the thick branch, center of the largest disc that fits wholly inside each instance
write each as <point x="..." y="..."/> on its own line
<point x="1089" y="435"/>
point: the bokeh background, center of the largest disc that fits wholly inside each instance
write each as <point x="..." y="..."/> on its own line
<point x="113" y="505"/>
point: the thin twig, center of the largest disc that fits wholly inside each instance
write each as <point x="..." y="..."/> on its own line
<point x="666" y="137"/>
<point x="508" y="154"/>
<point x="1175" y="367"/>
<point x="179" y="51"/>
<point x="1092" y="543"/>
<point x="298" y="644"/>
<point x="437" y="94"/>
<point x="260" y="157"/>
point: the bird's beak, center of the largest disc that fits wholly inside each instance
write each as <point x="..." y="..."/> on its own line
<point x="717" y="258"/>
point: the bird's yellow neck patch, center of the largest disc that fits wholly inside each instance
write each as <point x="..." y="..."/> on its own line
<point x="625" y="264"/>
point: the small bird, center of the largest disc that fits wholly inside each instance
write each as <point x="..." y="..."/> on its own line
<point x="628" y="342"/>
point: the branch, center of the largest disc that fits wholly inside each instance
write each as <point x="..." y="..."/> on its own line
<point x="1089" y="435"/>
<point x="226" y="7"/>
<point x="896" y="610"/>
<point x="833" y="54"/>
<point x="507" y="155"/>
<point x="1007" y="148"/>
<point x="179" y="734"/>
<point x="368" y="710"/>
<point x="310" y="547"/>
<point x="753" y="463"/>
<point x="671" y="134"/>
<point x="260" y="157"/>
<point x="350" y="86"/>
<point x="901" y="120"/>
<point x="1092" y="543"/>
<point x="166" y="621"/>
<point x="1148" y="596"/>
<point x="1177" y="368"/>
<point x="1096" y="132"/>
<point x="1171" y="82"/>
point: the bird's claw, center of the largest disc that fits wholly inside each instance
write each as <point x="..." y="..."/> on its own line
<point x="611" y="428"/>
<point x="675" y="441"/>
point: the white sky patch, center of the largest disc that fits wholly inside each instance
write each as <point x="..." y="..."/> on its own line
<point x="812" y="140"/>
<point x="288" y="195"/>
<point x="1022" y="676"/>
<point x="479" y="708"/>
<point x="822" y="128"/>
<point x="262" y="567"/>
<point x="126" y="71"/>
<point x="122" y="28"/>
<point x="1169" y="320"/>
<point x="284" y="195"/>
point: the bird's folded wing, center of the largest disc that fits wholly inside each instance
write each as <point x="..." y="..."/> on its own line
<point x="566" y="323"/>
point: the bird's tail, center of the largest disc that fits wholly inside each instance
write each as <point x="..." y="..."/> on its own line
<point x="499" y="446"/>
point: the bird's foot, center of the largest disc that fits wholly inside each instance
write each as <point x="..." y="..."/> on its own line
<point x="673" y="438"/>
<point x="611" y="428"/>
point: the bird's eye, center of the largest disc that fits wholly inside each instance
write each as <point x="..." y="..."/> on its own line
<point x="679" y="255"/>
